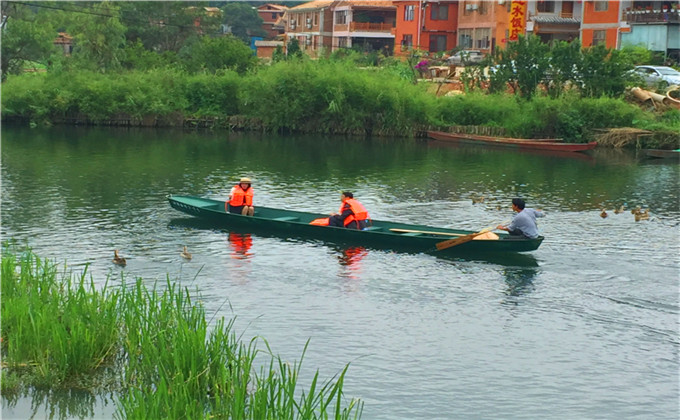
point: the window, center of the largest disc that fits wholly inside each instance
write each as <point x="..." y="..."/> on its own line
<point x="465" y="38"/>
<point x="274" y="16"/>
<point x="437" y="43"/>
<point x="342" y="42"/>
<point x="483" y="38"/>
<point x="341" y="17"/>
<point x="483" y="8"/>
<point x="406" y="42"/>
<point x="545" y="7"/>
<point x="601" y="6"/>
<point x="599" y="37"/>
<point x="316" y="19"/>
<point x="439" y="11"/>
<point x="408" y="12"/>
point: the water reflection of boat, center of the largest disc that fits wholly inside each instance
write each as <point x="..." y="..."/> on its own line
<point x="519" y="280"/>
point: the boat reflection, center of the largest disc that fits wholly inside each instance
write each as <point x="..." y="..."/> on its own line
<point x="504" y="259"/>
<point x="240" y="244"/>
<point x="519" y="280"/>
<point x="350" y="261"/>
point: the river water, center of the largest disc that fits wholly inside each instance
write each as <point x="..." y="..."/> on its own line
<point x="584" y="327"/>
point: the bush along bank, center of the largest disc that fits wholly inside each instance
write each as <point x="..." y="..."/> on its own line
<point x="306" y="96"/>
<point x="153" y="348"/>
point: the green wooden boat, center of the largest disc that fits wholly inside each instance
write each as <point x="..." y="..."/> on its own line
<point x="379" y="234"/>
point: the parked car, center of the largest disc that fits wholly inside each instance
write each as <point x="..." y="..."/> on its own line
<point x="658" y="75"/>
<point x="466" y="57"/>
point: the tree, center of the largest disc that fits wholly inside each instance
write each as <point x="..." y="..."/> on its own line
<point x="293" y="50"/>
<point x="27" y="35"/>
<point x="529" y="57"/>
<point x="212" y="54"/>
<point x="164" y="25"/>
<point x="243" y="20"/>
<point x="99" y="37"/>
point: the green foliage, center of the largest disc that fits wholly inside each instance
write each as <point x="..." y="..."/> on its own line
<point x="570" y="117"/>
<point x="213" y="54"/>
<point x="98" y="37"/>
<point x="27" y="35"/>
<point x="637" y="55"/>
<point x="602" y="71"/>
<point x="335" y="97"/>
<point x="213" y="95"/>
<point x="525" y="63"/>
<point x="293" y="49"/>
<point x="562" y="72"/>
<point x="278" y="54"/>
<point x="139" y="58"/>
<point x="163" y="359"/>
<point x="243" y="20"/>
<point x="164" y="26"/>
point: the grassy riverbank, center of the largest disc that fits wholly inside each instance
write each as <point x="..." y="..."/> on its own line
<point x="156" y="349"/>
<point x="308" y="96"/>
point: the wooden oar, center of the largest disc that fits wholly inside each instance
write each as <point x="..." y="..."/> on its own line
<point x="427" y="232"/>
<point x="467" y="238"/>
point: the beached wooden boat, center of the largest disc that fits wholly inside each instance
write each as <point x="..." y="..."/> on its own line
<point x="525" y="144"/>
<point x="379" y="234"/>
<point x="662" y="154"/>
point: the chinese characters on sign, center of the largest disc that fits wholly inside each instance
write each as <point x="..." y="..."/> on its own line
<point x="518" y="13"/>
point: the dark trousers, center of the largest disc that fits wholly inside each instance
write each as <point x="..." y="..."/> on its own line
<point x="235" y="209"/>
<point x="338" y="221"/>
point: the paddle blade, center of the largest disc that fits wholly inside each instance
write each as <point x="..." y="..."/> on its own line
<point x="454" y="242"/>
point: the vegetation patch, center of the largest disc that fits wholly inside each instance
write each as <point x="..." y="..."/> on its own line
<point x="154" y="348"/>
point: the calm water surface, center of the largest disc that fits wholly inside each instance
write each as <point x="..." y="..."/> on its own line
<point x="584" y="327"/>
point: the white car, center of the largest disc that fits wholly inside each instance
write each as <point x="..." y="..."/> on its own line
<point x="655" y="75"/>
<point x="466" y="57"/>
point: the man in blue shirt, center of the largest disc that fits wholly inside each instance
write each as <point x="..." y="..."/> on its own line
<point x="524" y="222"/>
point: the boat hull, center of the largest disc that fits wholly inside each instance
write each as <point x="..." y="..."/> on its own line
<point x="523" y="144"/>
<point x="381" y="234"/>
<point x="662" y="154"/>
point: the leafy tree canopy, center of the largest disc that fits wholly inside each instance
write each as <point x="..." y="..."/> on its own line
<point x="243" y="20"/>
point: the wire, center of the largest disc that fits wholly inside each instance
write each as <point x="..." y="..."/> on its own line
<point x="122" y="18"/>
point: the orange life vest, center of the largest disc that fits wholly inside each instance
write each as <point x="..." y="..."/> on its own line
<point x="358" y="210"/>
<point x="240" y="197"/>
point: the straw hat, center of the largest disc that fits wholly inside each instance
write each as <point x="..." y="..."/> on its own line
<point x="245" y="180"/>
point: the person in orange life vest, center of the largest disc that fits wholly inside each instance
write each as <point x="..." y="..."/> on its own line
<point x="241" y="198"/>
<point x="352" y="214"/>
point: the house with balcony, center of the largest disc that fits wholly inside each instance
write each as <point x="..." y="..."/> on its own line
<point x="312" y="25"/>
<point x="425" y="25"/>
<point x="654" y="24"/>
<point x="323" y="26"/>
<point x="270" y="14"/>
<point x="364" y="23"/>
<point x="558" y="20"/>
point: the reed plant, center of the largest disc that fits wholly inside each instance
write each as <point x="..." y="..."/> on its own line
<point x="64" y="331"/>
<point x="152" y="346"/>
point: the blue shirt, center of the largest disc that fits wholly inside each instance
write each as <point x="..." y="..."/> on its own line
<point x="525" y="221"/>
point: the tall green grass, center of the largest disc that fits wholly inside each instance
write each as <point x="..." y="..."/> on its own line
<point x="152" y="346"/>
<point x="324" y="96"/>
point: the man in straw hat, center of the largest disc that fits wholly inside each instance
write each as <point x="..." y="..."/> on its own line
<point x="241" y="198"/>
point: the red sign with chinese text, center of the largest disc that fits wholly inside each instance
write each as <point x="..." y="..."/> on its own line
<point x="518" y="14"/>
